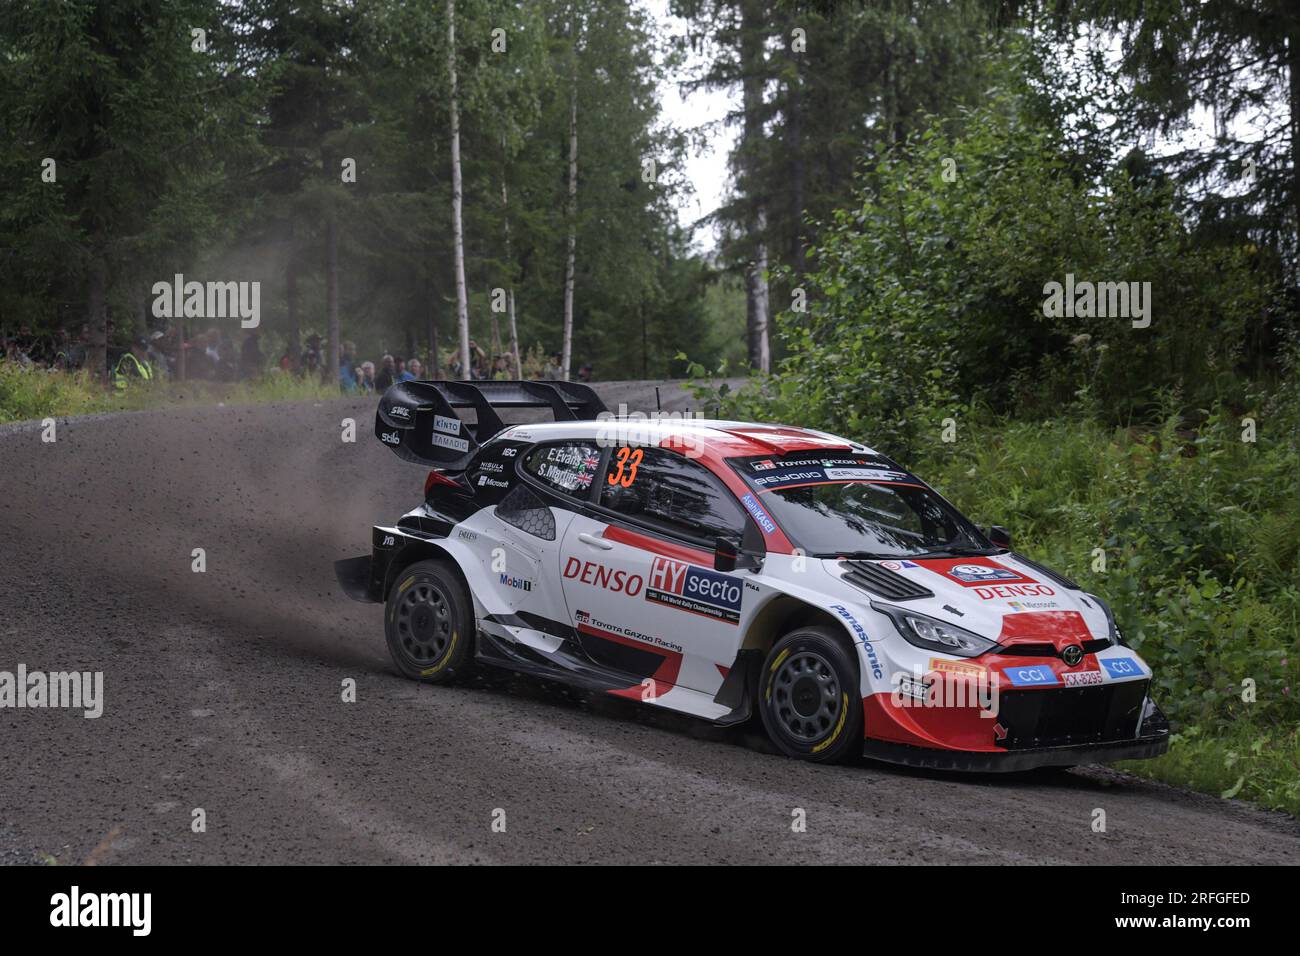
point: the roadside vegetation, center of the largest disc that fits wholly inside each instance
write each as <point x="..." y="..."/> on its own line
<point x="1157" y="465"/>
<point x="34" y="393"/>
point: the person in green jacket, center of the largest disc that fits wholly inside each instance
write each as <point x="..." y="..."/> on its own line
<point x="133" y="364"/>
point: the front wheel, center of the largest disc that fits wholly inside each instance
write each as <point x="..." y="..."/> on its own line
<point x="429" y="622"/>
<point x="808" y="697"/>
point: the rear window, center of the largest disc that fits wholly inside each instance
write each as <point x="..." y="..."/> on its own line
<point x="568" y="467"/>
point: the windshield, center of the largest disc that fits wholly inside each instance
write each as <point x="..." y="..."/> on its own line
<point x="858" y="506"/>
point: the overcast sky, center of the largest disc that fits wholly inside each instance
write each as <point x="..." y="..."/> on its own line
<point x="706" y="169"/>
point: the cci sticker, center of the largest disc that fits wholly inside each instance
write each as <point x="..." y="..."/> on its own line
<point x="1030" y="676"/>
<point x="1122" y="668"/>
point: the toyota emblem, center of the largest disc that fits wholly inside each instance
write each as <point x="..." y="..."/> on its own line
<point x="1072" y="654"/>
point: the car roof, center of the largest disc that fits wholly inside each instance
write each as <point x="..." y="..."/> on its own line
<point x="722" y="438"/>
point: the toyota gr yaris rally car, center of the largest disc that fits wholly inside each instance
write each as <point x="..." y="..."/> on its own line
<point x="716" y="568"/>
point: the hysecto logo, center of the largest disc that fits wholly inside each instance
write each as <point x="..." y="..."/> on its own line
<point x="688" y="588"/>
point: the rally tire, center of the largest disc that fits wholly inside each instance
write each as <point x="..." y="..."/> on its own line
<point x="808" y="696"/>
<point x="429" y="623"/>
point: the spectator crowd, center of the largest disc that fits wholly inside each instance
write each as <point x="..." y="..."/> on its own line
<point x="213" y="355"/>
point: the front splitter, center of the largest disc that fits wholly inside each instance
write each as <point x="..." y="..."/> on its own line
<point x="1011" y="761"/>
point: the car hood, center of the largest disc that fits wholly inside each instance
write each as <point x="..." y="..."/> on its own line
<point x="1001" y="598"/>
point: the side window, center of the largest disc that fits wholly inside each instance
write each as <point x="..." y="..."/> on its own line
<point x="568" y="467"/>
<point x="662" y="488"/>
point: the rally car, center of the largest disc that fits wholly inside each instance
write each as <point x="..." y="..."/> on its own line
<point x="717" y="568"/>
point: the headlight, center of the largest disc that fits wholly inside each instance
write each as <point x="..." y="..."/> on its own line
<point x="1112" y="633"/>
<point x="923" y="631"/>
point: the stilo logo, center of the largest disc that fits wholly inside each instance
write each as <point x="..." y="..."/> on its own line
<point x="390" y="438"/>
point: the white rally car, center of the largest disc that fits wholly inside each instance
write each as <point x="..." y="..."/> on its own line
<point x="716" y="568"/>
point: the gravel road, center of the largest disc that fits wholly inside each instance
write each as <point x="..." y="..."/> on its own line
<point x="222" y="692"/>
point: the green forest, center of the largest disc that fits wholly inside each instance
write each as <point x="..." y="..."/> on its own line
<point x="1045" y="253"/>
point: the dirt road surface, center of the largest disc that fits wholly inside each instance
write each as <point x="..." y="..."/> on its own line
<point x="222" y="693"/>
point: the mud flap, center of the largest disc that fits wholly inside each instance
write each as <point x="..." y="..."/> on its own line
<point x="354" y="577"/>
<point x="737" y="690"/>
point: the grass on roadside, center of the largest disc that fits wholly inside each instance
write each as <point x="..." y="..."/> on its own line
<point x="33" y="394"/>
<point x="1193" y="539"/>
<point x="1248" y="762"/>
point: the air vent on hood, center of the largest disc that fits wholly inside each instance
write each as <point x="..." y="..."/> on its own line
<point x="880" y="581"/>
<point x="1046" y="572"/>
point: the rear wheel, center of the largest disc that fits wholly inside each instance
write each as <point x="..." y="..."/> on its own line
<point x="429" y="622"/>
<point x="808" y="697"/>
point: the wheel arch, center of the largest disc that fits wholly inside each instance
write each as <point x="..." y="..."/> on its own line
<point x="786" y="613"/>
<point x="416" y="551"/>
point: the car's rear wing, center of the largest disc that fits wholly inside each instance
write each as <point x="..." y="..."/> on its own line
<point x="421" y="422"/>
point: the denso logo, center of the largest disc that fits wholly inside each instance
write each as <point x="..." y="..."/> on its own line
<point x="611" y="579"/>
<point x="1013" y="590"/>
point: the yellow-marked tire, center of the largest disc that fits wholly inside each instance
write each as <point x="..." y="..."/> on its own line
<point x="429" y="623"/>
<point x="808" y="696"/>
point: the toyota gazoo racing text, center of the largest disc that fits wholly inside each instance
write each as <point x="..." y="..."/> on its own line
<point x="717" y="568"/>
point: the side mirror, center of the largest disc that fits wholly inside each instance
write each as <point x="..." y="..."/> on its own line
<point x="1000" y="536"/>
<point x="725" y="555"/>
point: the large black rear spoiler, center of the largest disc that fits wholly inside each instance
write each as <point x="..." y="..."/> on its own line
<point x="419" y="421"/>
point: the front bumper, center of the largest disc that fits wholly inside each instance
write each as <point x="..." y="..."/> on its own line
<point x="1050" y="729"/>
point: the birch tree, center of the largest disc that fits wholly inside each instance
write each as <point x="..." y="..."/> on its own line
<point x="566" y="355"/>
<point x="457" y="198"/>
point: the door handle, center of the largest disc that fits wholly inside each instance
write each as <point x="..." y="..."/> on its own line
<point x="595" y="541"/>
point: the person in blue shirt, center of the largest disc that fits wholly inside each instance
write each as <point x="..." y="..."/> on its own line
<point x="347" y="371"/>
<point x="412" y="372"/>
